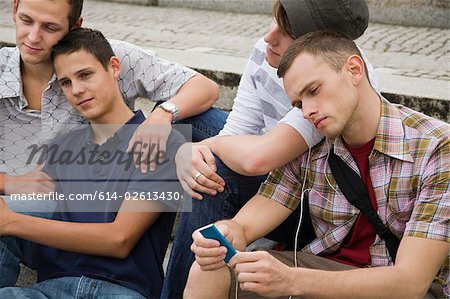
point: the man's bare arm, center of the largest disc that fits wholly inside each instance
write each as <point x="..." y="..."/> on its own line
<point x="259" y="216"/>
<point x="418" y="261"/>
<point x="259" y="154"/>
<point x="112" y="239"/>
<point x="196" y="95"/>
<point x="245" y="154"/>
<point x="35" y="181"/>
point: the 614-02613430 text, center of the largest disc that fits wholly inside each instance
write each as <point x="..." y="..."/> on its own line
<point x="100" y="195"/>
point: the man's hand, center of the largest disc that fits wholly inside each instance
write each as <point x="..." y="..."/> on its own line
<point x="261" y="273"/>
<point x="148" y="143"/>
<point x="4" y="216"/>
<point x="209" y="255"/>
<point x="35" y="181"/>
<point x="196" y="170"/>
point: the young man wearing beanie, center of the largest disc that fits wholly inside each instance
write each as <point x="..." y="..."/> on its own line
<point x="262" y="131"/>
<point x="378" y="188"/>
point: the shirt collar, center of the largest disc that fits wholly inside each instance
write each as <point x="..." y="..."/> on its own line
<point x="137" y="118"/>
<point x="338" y="147"/>
<point x="11" y="79"/>
<point x="389" y="140"/>
<point x="124" y="133"/>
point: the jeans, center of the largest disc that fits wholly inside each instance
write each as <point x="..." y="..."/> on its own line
<point x="238" y="190"/>
<point x="204" y="125"/>
<point x="71" y="287"/>
<point x="12" y="252"/>
<point x="207" y="124"/>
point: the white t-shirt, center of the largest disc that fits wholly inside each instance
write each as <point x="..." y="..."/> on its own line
<point x="261" y="101"/>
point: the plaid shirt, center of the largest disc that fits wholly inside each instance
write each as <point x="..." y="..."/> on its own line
<point x="410" y="172"/>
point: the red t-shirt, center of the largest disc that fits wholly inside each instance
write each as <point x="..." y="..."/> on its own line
<point x="354" y="249"/>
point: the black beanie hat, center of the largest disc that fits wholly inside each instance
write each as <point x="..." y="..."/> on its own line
<point x="350" y="17"/>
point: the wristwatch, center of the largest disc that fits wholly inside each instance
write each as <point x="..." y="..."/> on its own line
<point x="171" y="108"/>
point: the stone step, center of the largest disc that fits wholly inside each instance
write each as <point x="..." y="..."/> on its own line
<point x="412" y="63"/>
<point x="428" y="95"/>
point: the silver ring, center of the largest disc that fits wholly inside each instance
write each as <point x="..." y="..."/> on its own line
<point x="197" y="175"/>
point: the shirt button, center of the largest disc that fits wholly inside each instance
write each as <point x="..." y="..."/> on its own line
<point x="101" y="158"/>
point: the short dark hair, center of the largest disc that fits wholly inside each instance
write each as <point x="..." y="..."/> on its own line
<point x="281" y="17"/>
<point x="90" y="40"/>
<point x="333" y="47"/>
<point x="76" y="6"/>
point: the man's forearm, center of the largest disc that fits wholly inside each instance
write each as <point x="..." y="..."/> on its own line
<point x="239" y="241"/>
<point x="77" y="237"/>
<point x="2" y="182"/>
<point x="86" y="238"/>
<point x="259" y="216"/>
<point x="197" y="95"/>
<point x="259" y="154"/>
<point x="383" y="282"/>
<point x="418" y="260"/>
<point x="237" y="152"/>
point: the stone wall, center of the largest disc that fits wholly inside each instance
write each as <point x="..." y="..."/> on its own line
<point x="228" y="82"/>
<point x="438" y="108"/>
<point x="138" y="2"/>
<point x="240" y="6"/>
<point x="422" y="13"/>
<point x="3" y="44"/>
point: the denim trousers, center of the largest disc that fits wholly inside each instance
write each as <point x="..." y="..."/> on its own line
<point x="14" y="250"/>
<point x="206" y="124"/>
<point x="71" y="287"/>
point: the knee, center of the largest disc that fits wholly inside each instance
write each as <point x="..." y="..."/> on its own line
<point x="194" y="276"/>
<point x="207" y="284"/>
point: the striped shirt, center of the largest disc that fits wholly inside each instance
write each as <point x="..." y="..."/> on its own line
<point x="410" y="172"/>
<point x="261" y="101"/>
<point x="143" y="74"/>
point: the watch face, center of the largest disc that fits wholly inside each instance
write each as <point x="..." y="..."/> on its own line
<point x="169" y="106"/>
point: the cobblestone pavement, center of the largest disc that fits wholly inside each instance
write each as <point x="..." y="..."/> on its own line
<point x="406" y="51"/>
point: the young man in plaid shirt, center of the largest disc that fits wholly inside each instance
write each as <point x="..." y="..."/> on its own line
<point x="403" y="159"/>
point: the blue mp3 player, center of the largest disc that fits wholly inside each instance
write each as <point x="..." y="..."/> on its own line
<point x="210" y="231"/>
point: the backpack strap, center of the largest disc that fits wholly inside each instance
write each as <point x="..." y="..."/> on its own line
<point x="356" y="193"/>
